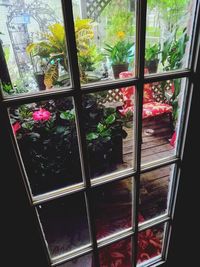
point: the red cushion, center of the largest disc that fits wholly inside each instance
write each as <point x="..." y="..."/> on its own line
<point x="154" y="109"/>
<point x="147" y="95"/>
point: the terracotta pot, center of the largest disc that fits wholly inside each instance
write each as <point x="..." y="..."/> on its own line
<point x="119" y="68"/>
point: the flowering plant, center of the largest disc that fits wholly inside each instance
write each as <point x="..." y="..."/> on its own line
<point x="121" y="51"/>
<point x="47" y="138"/>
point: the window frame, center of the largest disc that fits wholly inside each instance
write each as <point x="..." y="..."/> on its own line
<point x="76" y="91"/>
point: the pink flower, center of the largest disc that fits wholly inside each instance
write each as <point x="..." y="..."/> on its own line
<point x="41" y="115"/>
<point x="16" y="126"/>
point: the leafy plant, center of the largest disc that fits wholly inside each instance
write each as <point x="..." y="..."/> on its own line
<point x="7" y="88"/>
<point x="52" y="50"/>
<point x="89" y="58"/>
<point x="174" y="50"/>
<point x="172" y="58"/>
<point x="121" y="51"/>
<point x="152" y="52"/>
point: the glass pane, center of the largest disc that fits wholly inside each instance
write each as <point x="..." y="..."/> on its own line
<point x="113" y="207"/>
<point x="154" y="192"/>
<point x="34" y="46"/>
<point x="108" y="119"/>
<point x="105" y="37"/>
<point x="118" y="254"/>
<point x="150" y="243"/>
<point x="84" y="261"/>
<point x="65" y="225"/>
<point x="162" y="107"/>
<point x="168" y="34"/>
<point x="47" y="138"/>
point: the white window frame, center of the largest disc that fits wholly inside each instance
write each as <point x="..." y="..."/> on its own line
<point x="77" y="91"/>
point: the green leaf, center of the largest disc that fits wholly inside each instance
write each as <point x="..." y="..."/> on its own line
<point x="100" y="127"/>
<point x="106" y="133"/>
<point x="67" y="115"/>
<point x="110" y="119"/>
<point x="92" y="136"/>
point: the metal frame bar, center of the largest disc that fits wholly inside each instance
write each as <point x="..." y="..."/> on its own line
<point x="77" y="91"/>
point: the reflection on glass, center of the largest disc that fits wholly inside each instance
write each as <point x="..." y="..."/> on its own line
<point x="34" y="46"/>
<point x="65" y="225"/>
<point x="168" y="34"/>
<point x="162" y="108"/>
<point x="47" y="138"/>
<point x="118" y="254"/>
<point x="113" y="206"/>
<point x="84" y="261"/>
<point x="154" y="192"/>
<point x="105" y="37"/>
<point x="150" y="243"/>
<point x="108" y="118"/>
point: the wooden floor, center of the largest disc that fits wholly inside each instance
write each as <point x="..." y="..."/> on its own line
<point x="155" y="146"/>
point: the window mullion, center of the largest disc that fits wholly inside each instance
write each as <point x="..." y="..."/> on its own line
<point x="141" y="10"/>
<point x="75" y="80"/>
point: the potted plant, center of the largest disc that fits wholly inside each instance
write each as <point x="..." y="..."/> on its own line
<point x="151" y="57"/>
<point x="47" y="138"/>
<point x="104" y="134"/>
<point x="119" y="54"/>
<point x="52" y="52"/>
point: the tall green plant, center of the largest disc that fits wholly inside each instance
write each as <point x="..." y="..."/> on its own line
<point x="170" y="11"/>
<point x="172" y="58"/>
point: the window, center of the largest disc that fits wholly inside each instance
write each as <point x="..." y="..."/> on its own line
<point x="96" y="95"/>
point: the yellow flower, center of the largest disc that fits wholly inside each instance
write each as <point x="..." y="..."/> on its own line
<point x="121" y="35"/>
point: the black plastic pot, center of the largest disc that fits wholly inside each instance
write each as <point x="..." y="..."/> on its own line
<point x="107" y="154"/>
<point x="152" y="65"/>
<point x="119" y="68"/>
<point x="39" y="77"/>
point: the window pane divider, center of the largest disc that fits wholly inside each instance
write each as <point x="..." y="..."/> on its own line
<point x="115" y="238"/>
<point x="75" y="80"/>
<point x="71" y="255"/>
<point x="94" y="87"/>
<point x="156" y="261"/>
<point x="68" y="190"/>
<point x="40" y="96"/>
<point x="112" y="177"/>
<point x="159" y="164"/>
<point x="153" y="222"/>
<point x="141" y="10"/>
<point x="91" y="88"/>
<point x="169" y="75"/>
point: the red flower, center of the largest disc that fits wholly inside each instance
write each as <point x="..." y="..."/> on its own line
<point x="173" y="140"/>
<point x="41" y="115"/>
<point x="16" y="127"/>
